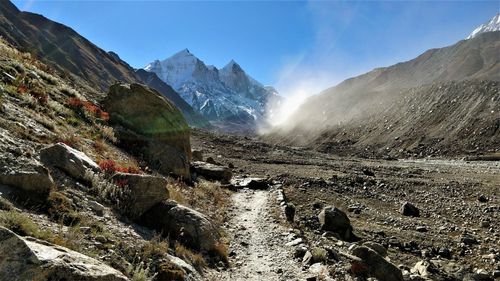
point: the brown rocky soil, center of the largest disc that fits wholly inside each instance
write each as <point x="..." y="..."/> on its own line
<point x="458" y="201"/>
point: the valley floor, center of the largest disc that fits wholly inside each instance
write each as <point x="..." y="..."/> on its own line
<point x="458" y="200"/>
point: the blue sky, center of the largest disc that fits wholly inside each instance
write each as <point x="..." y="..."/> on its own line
<point x="287" y="44"/>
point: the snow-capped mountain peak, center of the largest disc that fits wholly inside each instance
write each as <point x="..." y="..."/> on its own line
<point x="491" y="25"/>
<point x="226" y="94"/>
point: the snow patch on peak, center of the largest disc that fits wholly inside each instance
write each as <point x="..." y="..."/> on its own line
<point x="491" y="25"/>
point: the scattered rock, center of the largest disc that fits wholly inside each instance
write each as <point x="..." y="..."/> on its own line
<point x="289" y="212"/>
<point x="29" y="180"/>
<point x="96" y="207"/>
<point x="335" y="220"/>
<point x="410" y="210"/>
<point x="381" y="250"/>
<point x="141" y="192"/>
<point x="376" y="266"/>
<point x="468" y="239"/>
<point x="482" y="198"/>
<point x="307" y="258"/>
<point x="197" y="155"/>
<point x="73" y="162"/>
<point x="212" y="171"/>
<point x="368" y="173"/>
<point x="29" y="259"/>
<point x="182" y="223"/>
<point x="153" y="127"/>
<point x="251" y="182"/>
<point x="300" y="251"/>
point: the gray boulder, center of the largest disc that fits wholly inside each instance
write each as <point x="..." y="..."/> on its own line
<point x="140" y="192"/>
<point x="29" y="259"/>
<point x="30" y="180"/>
<point x="376" y="266"/>
<point x="190" y="227"/>
<point x="212" y="171"/>
<point x="334" y="220"/>
<point x="68" y="159"/>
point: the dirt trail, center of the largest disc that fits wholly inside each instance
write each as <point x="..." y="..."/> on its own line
<point x="258" y="241"/>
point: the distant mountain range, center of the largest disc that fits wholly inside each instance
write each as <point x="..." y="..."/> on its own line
<point x="228" y="97"/>
<point x="359" y="113"/>
<point x="231" y="100"/>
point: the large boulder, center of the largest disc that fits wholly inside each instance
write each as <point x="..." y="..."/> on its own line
<point x="212" y="171"/>
<point x="140" y="192"/>
<point x="375" y="265"/>
<point x="335" y="220"/>
<point x="182" y="223"/>
<point x="29" y="259"/>
<point x="72" y="161"/>
<point x="150" y="125"/>
<point x="28" y="180"/>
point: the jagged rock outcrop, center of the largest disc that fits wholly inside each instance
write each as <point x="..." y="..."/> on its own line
<point x="74" y="162"/>
<point x="150" y="125"/>
<point x="212" y="171"/>
<point x="228" y="97"/>
<point x="29" y="259"/>
<point x="182" y="223"/>
<point x="28" y="179"/>
<point x="140" y="192"/>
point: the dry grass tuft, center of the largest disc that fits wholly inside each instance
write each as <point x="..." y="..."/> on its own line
<point x="186" y="254"/>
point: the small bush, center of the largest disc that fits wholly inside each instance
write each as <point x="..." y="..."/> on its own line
<point x="61" y="209"/>
<point x="84" y="108"/>
<point x="169" y="271"/>
<point x="139" y="272"/>
<point x="23" y="225"/>
<point x="99" y="146"/>
<point x="48" y="78"/>
<point x="186" y="254"/>
<point x="71" y="140"/>
<point x="110" y="167"/>
<point x="5" y="204"/>
<point x="220" y="253"/>
<point x="156" y="248"/>
<point x="107" y="133"/>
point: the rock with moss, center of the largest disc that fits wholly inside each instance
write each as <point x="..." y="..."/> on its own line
<point x="26" y="258"/>
<point x="150" y="125"/>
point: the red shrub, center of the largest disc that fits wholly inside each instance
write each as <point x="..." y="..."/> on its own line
<point x="75" y="103"/>
<point x="110" y="167"/>
<point x="89" y="107"/>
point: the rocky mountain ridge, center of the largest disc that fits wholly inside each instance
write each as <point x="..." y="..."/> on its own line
<point x="356" y="101"/>
<point x="228" y="97"/>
